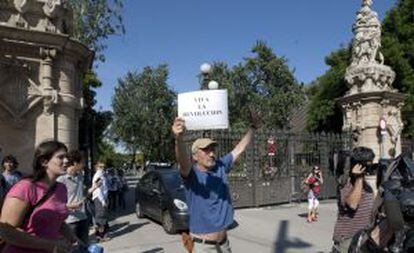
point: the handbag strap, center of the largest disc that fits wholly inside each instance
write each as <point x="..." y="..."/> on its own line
<point x="42" y="200"/>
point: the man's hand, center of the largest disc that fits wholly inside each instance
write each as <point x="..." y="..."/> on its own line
<point x="358" y="170"/>
<point x="178" y="127"/>
<point x="254" y="119"/>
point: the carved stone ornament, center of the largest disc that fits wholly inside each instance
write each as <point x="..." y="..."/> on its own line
<point x="51" y="7"/>
<point x="381" y="75"/>
<point x="367" y="71"/>
<point x="53" y="16"/>
<point x="394" y="123"/>
<point x="20" y="92"/>
<point x="49" y="94"/>
<point x="367" y="40"/>
<point x="367" y="3"/>
<point x="21" y="5"/>
<point x="19" y="21"/>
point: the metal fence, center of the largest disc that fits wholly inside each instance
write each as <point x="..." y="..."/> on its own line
<point x="266" y="175"/>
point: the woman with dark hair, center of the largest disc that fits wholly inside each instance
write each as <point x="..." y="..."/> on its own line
<point x="10" y="173"/>
<point x="37" y="206"/>
<point x="313" y="181"/>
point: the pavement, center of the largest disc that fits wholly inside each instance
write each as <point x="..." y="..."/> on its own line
<point x="275" y="229"/>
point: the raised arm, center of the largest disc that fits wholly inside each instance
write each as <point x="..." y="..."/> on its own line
<point x="242" y="145"/>
<point x="319" y="177"/>
<point x="354" y="197"/>
<point x="244" y="142"/>
<point x="181" y="153"/>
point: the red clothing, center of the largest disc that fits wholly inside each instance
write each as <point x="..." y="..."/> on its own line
<point x="46" y="219"/>
<point x="314" y="185"/>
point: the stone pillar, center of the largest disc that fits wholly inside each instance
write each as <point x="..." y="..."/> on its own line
<point x="41" y="70"/>
<point x="371" y="96"/>
<point x="45" y="122"/>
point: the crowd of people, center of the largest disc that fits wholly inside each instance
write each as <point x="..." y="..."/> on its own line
<point x="375" y="203"/>
<point x="52" y="208"/>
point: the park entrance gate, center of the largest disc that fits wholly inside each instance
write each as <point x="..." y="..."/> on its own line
<point x="275" y="163"/>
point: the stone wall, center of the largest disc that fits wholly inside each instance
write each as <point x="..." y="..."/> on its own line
<point x="41" y="70"/>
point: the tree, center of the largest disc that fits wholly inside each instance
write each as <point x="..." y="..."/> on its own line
<point x="143" y="108"/>
<point x="264" y="82"/>
<point x="110" y="157"/>
<point x="95" y="21"/>
<point x="398" y="50"/>
<point x="324" y="112"/>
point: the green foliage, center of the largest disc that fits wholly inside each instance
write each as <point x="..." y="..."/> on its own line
<point x="143" y="108"/>
<point x="110" y="157"/>
<point x="90" y="82"/>
<point x="95" y="21"/>
<point x="398" y="50"/>
<point x="263" y="82"/>
<point x="324" y="112"/>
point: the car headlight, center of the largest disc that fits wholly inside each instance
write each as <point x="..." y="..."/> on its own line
<point x="181" y="205"/>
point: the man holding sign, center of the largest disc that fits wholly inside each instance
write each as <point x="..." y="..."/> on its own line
<point x="207" y="187"/>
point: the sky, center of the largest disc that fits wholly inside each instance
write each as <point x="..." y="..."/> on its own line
<point x="187" y="33"/>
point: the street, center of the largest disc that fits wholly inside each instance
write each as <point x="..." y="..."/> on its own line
<point x="277" y="229"/>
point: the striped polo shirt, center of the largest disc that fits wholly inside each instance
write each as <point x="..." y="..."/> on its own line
<point x="349" y="221"/>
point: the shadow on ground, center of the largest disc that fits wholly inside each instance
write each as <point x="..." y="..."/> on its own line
<point x="154" y="250"/>
<point x="124" y="228"/>
<point x="283" y="242"/>
<point x="303" y="215"/>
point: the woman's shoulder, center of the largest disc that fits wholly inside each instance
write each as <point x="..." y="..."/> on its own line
<point x="24" y="183"/>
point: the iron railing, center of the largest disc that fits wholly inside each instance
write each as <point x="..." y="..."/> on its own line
<point x="258" y="179"/>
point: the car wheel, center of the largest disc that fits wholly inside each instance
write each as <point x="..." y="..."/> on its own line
<point x="138" y="210"/>
<point x="168" y="223"/>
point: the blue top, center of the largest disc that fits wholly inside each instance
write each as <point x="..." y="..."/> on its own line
<point x="11" y="179"/>
<point x="208" y="197"/>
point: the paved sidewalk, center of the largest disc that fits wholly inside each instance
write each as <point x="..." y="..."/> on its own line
<point x="281" y="229"/>
<point x="277" y="229"/>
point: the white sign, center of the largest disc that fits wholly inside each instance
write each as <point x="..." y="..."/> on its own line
<point x="205" y="109"/>
<point x="383" y="125"/>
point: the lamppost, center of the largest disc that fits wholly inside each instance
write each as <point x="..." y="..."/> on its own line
<point x="206" y="81"/>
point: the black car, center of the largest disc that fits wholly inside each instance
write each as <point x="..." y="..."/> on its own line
<point x="160" y="195"/>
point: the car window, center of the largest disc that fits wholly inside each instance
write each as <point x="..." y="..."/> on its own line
<point x="172" y="181"/>
<point x="156" y="184"/>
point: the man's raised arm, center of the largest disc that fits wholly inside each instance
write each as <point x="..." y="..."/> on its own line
<point x="247" y="138"/>
<point x="242" y="145"/>
<point x="181" y="154"/>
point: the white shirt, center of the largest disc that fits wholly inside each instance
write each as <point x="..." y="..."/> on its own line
<point x="102" y="192"/>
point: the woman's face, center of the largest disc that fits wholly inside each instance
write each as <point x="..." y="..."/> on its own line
<point x="8" y="165"/>
<point x="56" y="166"/>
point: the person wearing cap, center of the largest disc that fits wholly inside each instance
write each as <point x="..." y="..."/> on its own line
<point x="207" y="187"/>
